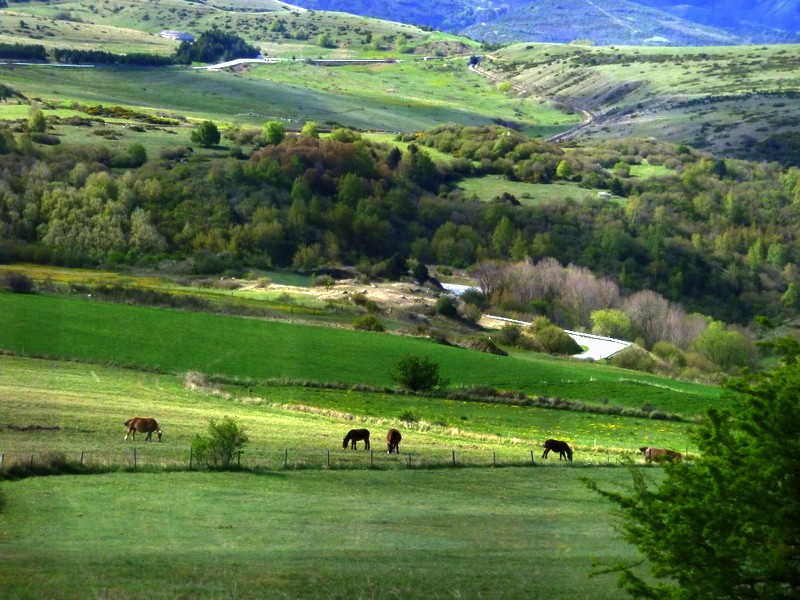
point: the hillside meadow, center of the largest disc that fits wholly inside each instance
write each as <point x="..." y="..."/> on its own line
<point x="74" y="408"/>
<point x="306" y="529"/>
<point x="177" y="341"/>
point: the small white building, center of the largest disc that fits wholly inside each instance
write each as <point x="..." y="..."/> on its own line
<point x="180" y="36"/>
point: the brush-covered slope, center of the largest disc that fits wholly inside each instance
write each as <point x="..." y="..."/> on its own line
<point x="737" y="101"/>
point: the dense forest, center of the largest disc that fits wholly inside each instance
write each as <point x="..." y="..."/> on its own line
<point x="716" y="236"/>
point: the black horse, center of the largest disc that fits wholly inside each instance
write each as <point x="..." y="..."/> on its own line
<point x="356" y="435"/>
<point x="393" y="441"/>
<point x="563" y="449"/>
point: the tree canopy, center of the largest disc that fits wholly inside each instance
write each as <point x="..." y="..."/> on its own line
<point x="726" y="524"/>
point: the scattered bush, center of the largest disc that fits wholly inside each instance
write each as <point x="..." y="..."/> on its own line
<point x="446" y="306"/>
<point x="418" y="373"/>
<point x="19" y="283"/>
<point x="634" y="358"/>
<point x="224" y="442"/>
<point x="368" y="323"/>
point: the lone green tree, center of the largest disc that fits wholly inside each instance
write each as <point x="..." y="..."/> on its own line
<point x="206" y="134"/>
<point x="726" y="525"/>
<point x="225" y="439"/>
<point x="418" y="373"/>
<point x="36" y="120"/>
<point x="273" y="132"/>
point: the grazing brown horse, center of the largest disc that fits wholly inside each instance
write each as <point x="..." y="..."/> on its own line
<point x="393" y="441"/>
<point x="356" y="435"/>
<point x="563" y="449"/>
<point x="142" y="425"/>
<point x="660" y="454"/>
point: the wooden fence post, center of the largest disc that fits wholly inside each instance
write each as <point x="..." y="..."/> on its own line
<point x="134" y="458"/>
<point x="454" y="458"/>
<point x="494" y="459"/>
<point x="81" y="457"/>
<point x="328" y="460"/>
<point x="239" y="460"/>
<point x="533" y="462"/>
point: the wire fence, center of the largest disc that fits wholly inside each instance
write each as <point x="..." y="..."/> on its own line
<point x="149" y="457"/>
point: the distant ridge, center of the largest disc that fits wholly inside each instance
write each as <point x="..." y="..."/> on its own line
<point x="629" y="22"/>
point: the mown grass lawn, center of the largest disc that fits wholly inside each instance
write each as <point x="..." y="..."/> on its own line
<point x="464" y="533"/>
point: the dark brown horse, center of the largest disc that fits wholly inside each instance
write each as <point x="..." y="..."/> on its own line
<point x="563" y="449"/>
<point x="142" y="425"/>
<point x="660" y="454"/>
<point x="393" y="441"/>
<point x="356" y="435"/>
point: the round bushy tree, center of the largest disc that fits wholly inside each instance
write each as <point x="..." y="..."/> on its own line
<point x="418" y="373"/>
<point x="206" y="134"/>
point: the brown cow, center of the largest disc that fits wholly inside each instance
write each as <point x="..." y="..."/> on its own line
<point x="660" y="454"/>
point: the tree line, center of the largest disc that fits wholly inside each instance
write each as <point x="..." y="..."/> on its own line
<point x="211" y="46"/>
<point x="716" y="237"/>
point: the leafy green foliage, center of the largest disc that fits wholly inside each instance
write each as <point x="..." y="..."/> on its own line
<point x="418" y="373"/>
<point x="725" y="526"/>
<point x="36" y="120"/>
<point x="273" y="132"/>
<point x="218" y="449"/>
<point x="206" y="134"/>
<point x="215" y="45"/>
<point x="368" y="323"/>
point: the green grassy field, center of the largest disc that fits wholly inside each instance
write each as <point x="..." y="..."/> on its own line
<point x="403" y="97"/>
<point x="491" y="186"/>
<point x="79" y="408"/>
<point x="465" y="533"/>
<point x="176" y="342"/>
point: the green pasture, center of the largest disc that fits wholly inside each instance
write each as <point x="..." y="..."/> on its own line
<point x="463" y="533"/>
<point x="646" y="170"/>
<point x="489" y="187"/>
<point x="79" y="408"/>
<point x="175" y="342"/>
<point x="251" y="99"/>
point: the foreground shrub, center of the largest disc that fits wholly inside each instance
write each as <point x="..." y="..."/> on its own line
<point x="225" y="440"/>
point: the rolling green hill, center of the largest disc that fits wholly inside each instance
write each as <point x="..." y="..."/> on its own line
<point x="176" y="342"/>
<point x="734" y="101"/>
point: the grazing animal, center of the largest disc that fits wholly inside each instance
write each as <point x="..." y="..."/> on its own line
<point x="660" y="454"/>
<point x="393" y="441"/>
<point x="142" y="425"/>
<point x="356" y="435"/>
<point x="563" y="449"/>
